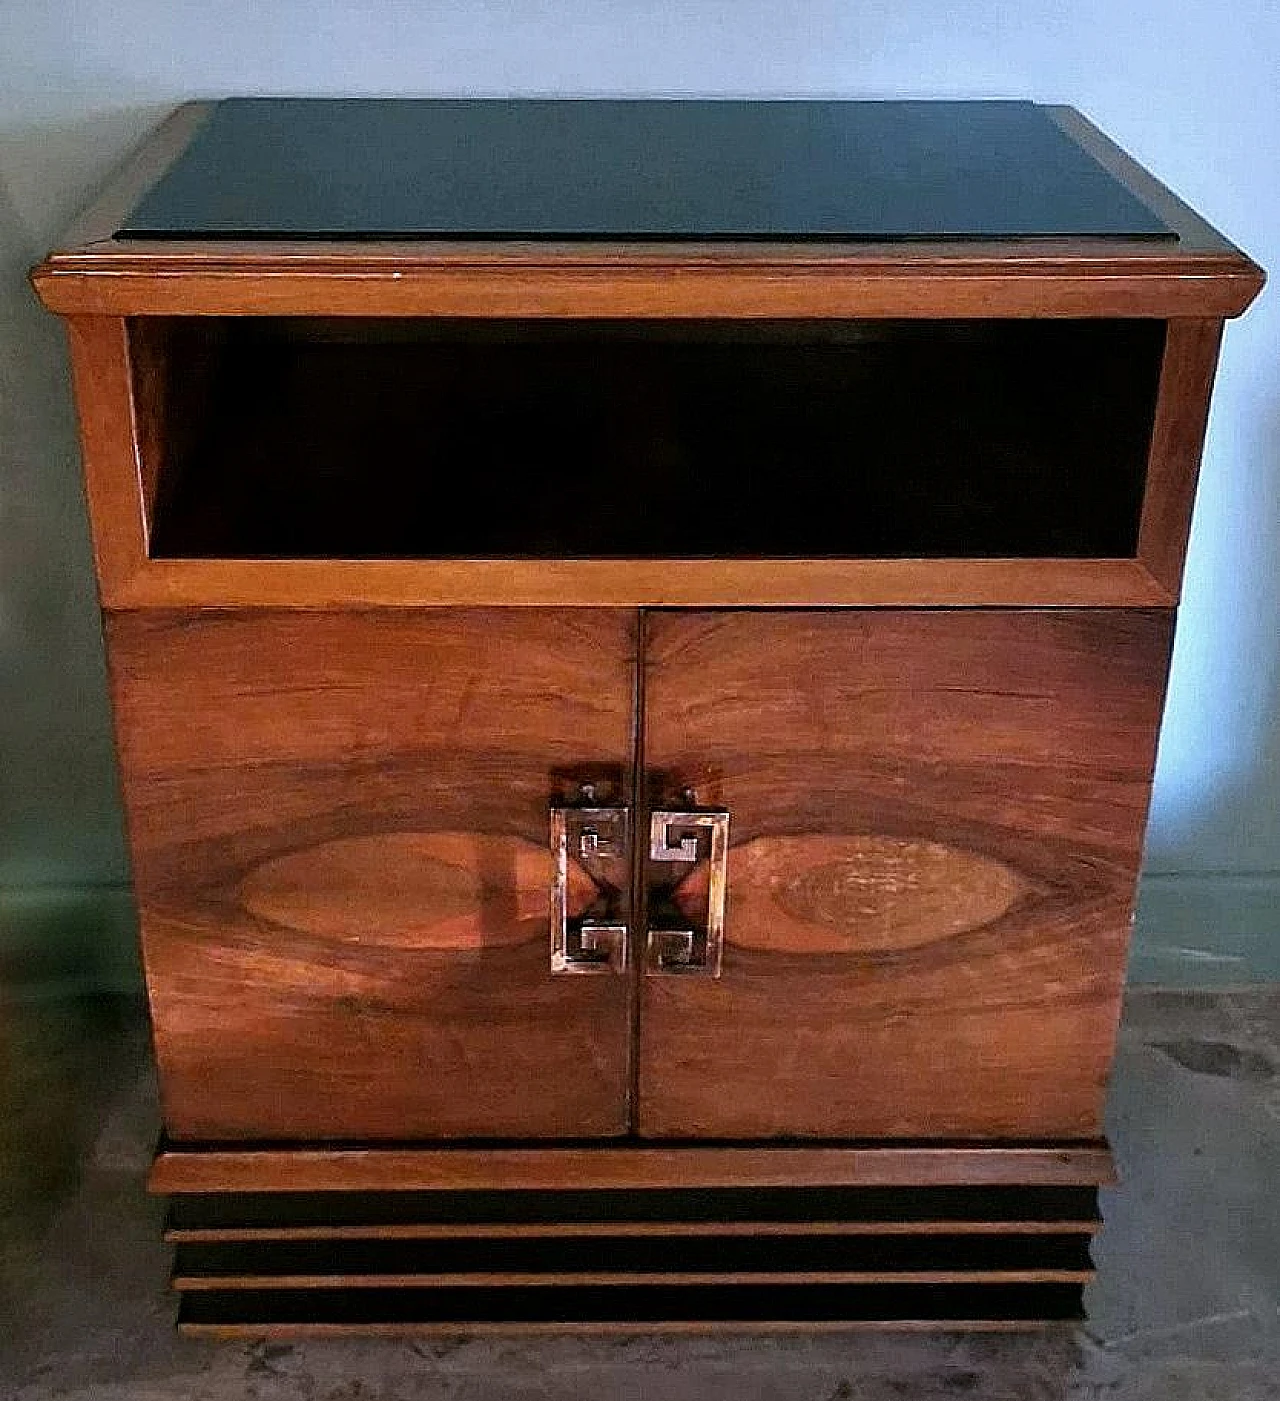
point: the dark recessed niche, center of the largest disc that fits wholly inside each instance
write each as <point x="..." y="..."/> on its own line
<point x="363" y="439"/>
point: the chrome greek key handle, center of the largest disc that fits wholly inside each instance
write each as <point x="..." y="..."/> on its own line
<point x="689" y="837"/>
<point x="600" y="841"/>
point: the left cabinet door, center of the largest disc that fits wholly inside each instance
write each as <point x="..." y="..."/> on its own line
<point x="339" y="831"/>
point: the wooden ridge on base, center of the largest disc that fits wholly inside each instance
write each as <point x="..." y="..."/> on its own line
<point x="224" y="1169"/>
<point x="967" y="1241"/>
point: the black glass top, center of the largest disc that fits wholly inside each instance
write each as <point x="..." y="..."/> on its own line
<point x="372" y="168"/>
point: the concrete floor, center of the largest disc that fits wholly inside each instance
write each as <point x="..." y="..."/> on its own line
<point x="1186" y="1306"/>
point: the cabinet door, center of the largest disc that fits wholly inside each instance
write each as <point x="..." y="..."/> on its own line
<point x="935" y="829"/>
<point x="339" y="825"/>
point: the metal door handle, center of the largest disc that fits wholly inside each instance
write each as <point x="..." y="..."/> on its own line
<point x="678" y="836"/>
<point x="594" y="942"/>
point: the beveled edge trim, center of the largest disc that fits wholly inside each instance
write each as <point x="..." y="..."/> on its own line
<point x="632" y="583"/>
<point x="1191" y="228"/>
<point x="179" y="1170"/>
<point x="159" y="148"/>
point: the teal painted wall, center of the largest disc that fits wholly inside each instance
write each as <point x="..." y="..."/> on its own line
<point x="1189" y="89"/>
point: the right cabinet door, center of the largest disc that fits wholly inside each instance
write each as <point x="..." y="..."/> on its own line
<point x="936" y="821"/>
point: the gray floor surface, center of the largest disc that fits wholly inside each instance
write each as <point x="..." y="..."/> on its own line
<point x="1186" y="1306"/>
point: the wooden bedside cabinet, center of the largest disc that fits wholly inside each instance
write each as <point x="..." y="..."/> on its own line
<point x="637" y="634"/>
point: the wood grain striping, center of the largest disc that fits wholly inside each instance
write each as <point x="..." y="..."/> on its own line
<point x="296" y="784"/>
<point x="1015" y="747"/>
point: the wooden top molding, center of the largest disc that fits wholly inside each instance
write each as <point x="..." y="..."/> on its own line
<point x="93" y="273"/>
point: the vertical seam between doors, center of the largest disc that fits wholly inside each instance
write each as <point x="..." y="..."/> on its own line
<point x="639" y="909"/>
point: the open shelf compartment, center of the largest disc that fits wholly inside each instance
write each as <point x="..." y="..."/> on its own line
<point x="299" y="438"/>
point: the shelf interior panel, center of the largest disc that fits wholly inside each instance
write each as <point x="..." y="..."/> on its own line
<point x="300" y="438"/>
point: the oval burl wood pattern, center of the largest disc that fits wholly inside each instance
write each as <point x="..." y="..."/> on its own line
<point x="339" y="825"/>
<point x="936" y="820"/>
<point x="440" y="890"/>
<point x="858" y="894"/>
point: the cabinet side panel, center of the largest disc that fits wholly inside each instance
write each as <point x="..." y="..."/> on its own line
<point x="936" y="825"/>
<point x="339" y="833"/>
<point x="113" y="473"/>
<point x="1186" y="382"/>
